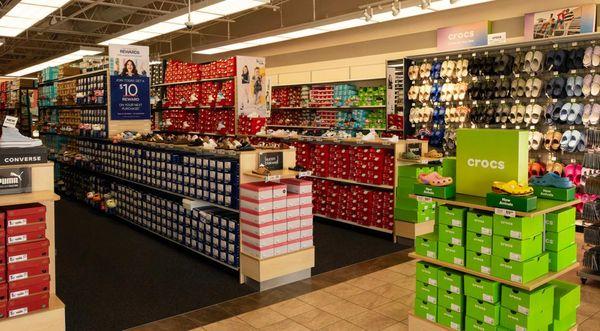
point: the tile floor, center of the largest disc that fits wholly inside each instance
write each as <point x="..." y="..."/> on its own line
<point x="374" y="295"/>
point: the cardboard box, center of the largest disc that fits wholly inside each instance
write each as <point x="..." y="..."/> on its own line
<point x="450" y="215"/>
<point x="526" y="302"/>
<point x="518" y="249"/>
<point x="427" y="273"/>
<point x="520" y="272"/>
<point x="479" y="243"/>
<point x="518" y="227"/>
<point x="27" y="269"/>
<point x="472" y="324"/>
<point x="567" y="298"/>
<point x="450" y="318"/>
<point x="25" y="233"/>
<point x="450" y="280"/>
<point x="482" y="289"/>
<point x="480" y="223"/>
<point x="554" y="193"/>
<point x="28" y="304"/>
<point x="426" y="310"/>
<point x="557" y="241"/>
<point x="426" y="292"/>
<point x="441" y="192"/>
<point x="514" y="320"/>
<point x="24" y="214"/>
<point x="452" y="301"/>
<point x="29" y="286"/>
<point x="451" y="234"/>
<point x="562" y="259"/>
<point x="504" y="201"/>
<point x="557" y="221"/>
<point x="27" y="251"/>
<point x="483" y="311"/>
<point x="479" y="262"/>
<point x="564" y="324"/>
<point x="427" y="245"/>
<point x="451" y="253"/>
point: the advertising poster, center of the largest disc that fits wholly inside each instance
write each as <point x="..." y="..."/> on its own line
<point x="463" y="36"/>
<point x="252" y="89"/>
<point x="560" y="22"/>
<point x="391" y="89"/>
<point x="129" y="82"/>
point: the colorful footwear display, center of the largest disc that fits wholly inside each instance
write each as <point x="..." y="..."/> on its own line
<point x="511" y="188"/>
<point x="551" y="180"/>
<point x="435" y="179"/>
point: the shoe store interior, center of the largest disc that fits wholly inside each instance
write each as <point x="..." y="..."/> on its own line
<point x="178" y="165"/>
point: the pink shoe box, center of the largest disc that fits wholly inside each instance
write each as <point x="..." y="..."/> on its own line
<point x="280" y="226"/>
<point x="280" y="237"/>
<point x="292" y="213"/>
<point x="293" y="200"/>
<point x="280" y="215"/>
<point x="306" y="221"/>
<point x="257" y="241"/>
<point x="294" y="234"/>
<point x="256" y="205"/>
<point x="279" y="190"/>
<point x="293" y="223"/>
<point x="307" y="198"/>
<point x="256" y="190"/>
<point x="263" y="229"/>
<point x="257" y="252"/>
<point x="306" y="231"/>
<point x="279" y="203"/>
<point x="293" y="246"/>
<point x="280" y="249"/>
<point x="297" y="186"/>
<point x="306" y="210"/>
<point x="306" y="242"/>
<point x="255" y="216"/>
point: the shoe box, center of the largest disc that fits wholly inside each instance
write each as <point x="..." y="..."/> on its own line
<point x="276" y="218"/>
<point x="250" y="126"/>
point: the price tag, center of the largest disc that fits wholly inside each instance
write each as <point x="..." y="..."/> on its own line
<point x="474" y="103"/>
<point x="486" y="231"/>
<point x="574" y="44"/>
<point x="487" y="77"/>
<point x="517" y="101"/>
<point x="459" y="56"/>
<point x="554" y="100"/>
<point x="455" y="289"/>
<point x="555" y="46"/>
<point x="488" y="298"/>
<point x="488" y="320"/>
<point x="574" y="71"/>
<point x="502" y="102"/>
<point x="486" y="270"/>
<point x="533" y="48"/>
<point x="523" y="310"/>
<point x="501" y="51"/>
<point x="573" y="100"/>
<point x="458" y="261"/>
<point x="515" y="256"/>
<point x="474" y="54"/>
<point x="447" y="58"/>
<point x="518" y="49"/>
<point x="501" y="76"/>
<point x="460" y="103"/>
<point x="432" y="281"/>
<point x="305" y="174"/>
<point x="532" y="100"/>
<point x="10" y="121"/>
<point x="555" y="73"/>
<point x="435" y="59"/>
<point x="518" y="127"/>
<point x="505" y="212"/>
<point x="486" y="53"/>
<point x="272" y="178"/>
<point x="487" y="102"/>
<point x="593" y="71"/>
<point x="517" y="75"/>
<point x="516" y="278"/>
<point x="424" y="199"/>
<point x="592" y="100"/>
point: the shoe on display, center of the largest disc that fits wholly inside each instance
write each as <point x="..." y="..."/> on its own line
<point x="372" y="135"/>
<point x="262" y="170"/>
<point x="551" y="180"/>
<point x="11" y="137"/>
<point x="512" y="188"/>
<point x="434" y="179"/>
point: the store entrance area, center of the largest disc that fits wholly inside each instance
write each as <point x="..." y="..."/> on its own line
<point x="114" y="276"/>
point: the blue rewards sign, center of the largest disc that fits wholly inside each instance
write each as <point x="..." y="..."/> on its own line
<point x="130" y="98"/>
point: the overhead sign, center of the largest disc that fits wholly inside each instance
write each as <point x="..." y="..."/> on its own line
<point x="463" y="36"/>
<point x="129" y="82"/>
<point x="561" y="22"/>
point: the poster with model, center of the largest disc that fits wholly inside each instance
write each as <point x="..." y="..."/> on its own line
<point x="252" y="91"/>
<point x="391" y="89"/>
<point x="129" y="82"/>
<point x="560" y="22"/>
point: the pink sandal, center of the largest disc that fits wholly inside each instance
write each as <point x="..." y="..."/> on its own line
<point x="434" y="179"/>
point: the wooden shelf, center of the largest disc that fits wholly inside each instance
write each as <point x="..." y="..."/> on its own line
<point x="530" y="286"/>
<point x="326" y="140"/>
<point x="412" y="230"/>
<point x="22" y="198"/>
<point x="544" y="206"/>
<point x="192" y="81"/>
<point x="422" y="160"/>
<point x="329" y="107"/>
<point x="355" y="224"/>
<point x="52" y="318"/>
<point x="277" y="266"/>
<point x="274" y="175"/>
<point x="353" y="182"/>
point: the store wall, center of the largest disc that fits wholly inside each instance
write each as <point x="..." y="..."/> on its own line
<point x="361" y="53"/>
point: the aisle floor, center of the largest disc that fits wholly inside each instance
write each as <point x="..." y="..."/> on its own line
<point x="113" y="276"/>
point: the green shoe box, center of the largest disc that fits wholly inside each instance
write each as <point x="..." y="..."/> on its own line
<point x="452" y="301"/>
<point x="426" y="310"/>
<point x="567" y="298"/>
<point x="504" y="201"/>
<point x="518" y="227"/>
<point x="451" y="234"/>
<point x="426" y="292"/>
<point x="441" y="192"/>
<point x="526" y="302"/>
<point x="427" y="273"/>
<point x="472" y="324"/>
<point x="450" y="280"/>
<point x="520" y="272"/>
<point x="564" y="324"/>
<point x="427" y="245"/>
<point x="562" y="259"/>
<point x="561" y="219"/>
<point x="482" y="289"/>
<point x="554" y="193"/>
<point x="483" y="311"/>
<point x="514" y="320"/>
<point x="557" y="241"/>
<point x="405" y="215"/>
<point x="451" y="253"/>
<point x="479" y="262"/>
<point x="449" y="318"/>
<point x="480" y="223"/>
<point x="454" y="216"/>
<point x="517" y="249"/>
<point x="479" y="243"/>
<point x="425" y="211"/>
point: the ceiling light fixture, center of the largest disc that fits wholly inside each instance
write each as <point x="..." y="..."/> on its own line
<point x="425" y="4"/>
<point x="195" y="14"/>
<point x="396" y="8"/>
<point x="67" y="58"/>
<point x="25" y="14"/>
<point x="347" y="22"/>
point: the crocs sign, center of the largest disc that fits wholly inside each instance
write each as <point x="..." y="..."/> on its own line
<point x="485" y="164"/>
<point x="463" y="36"/>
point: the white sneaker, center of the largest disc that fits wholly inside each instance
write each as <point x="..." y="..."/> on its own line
<point x="372" y="135"/>
<point x="11" y="137"/>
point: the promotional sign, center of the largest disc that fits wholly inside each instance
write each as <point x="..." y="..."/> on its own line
<point x="463" y="36"/>
<point x="497" y="38"/>
<point x="272" y="160"/>
<point x="487" y="155"/>
<point x="251" y="86"/>
<point x="561" y="22"/>
<point x="129" y="82"/>
<point x="15" y="180"/>
<point x="391" y="90"/>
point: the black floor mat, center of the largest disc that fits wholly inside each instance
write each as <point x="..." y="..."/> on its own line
<point x="112" y="275"/>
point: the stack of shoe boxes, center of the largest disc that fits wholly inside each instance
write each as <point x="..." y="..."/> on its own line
<point x="215" y="232"/>
<point x="27" y="260"/>
<point x="560" y="239"/>
<point x="451" y="234"/>
<point x="451" y="298"/>
<point x="479" y="242"/>
<point x="567" y="298"/>
<point x="523" y="310"/>
<point x="426" y="296"/>
<point x="482" y="303"/>
<point x="276" y="218"/>
<point x="408" y="209"/>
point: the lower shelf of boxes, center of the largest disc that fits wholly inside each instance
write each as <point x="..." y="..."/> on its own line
<point x="51" y="317"/>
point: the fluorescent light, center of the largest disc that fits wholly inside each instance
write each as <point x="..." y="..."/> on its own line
<point x="203" y="14"/>
<point x="237" y="46"/>
<point x="211" y="51"/>
<point x="9" y="32"/>
<point x="444" y="4"/>
<point x="67" y="58"/>
<point x="25" y="14"/>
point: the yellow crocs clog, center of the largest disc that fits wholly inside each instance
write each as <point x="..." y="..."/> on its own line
<point x="512" y="188"/>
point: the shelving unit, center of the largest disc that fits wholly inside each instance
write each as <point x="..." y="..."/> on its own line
<point x="355" y="224"/>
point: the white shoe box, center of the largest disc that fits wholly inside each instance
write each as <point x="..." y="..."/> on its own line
<point x="263" y="229"/>
<point x="256" y="217"/>
<point x="305" y="199"/>
<point x="293" y="223"/>
<point x="293" y="246"/>
<point x="256" y="205"/>
<point x="256" y="191"/>
<point x="279" y="215"/>
<point x="257" y="241"/>
<point x="297" y="185"/>
<point x="279" y="203"/>
<point x="306" y="232"/>
<point x="292" y="212"/>
<point x="280" y="237"/>
<point x="258" y="253"/>
<point x="293" y="235"/>
<point x="280" y="249"/>
<point x="293" y="200"/>
<point x="279" y="226"/>
<point x="306" y="210"/>
<point x="306" y="221"/>
<point x="306" y="242"/>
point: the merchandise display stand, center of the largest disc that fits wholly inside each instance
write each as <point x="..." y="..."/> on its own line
<point x="42" y="191"/>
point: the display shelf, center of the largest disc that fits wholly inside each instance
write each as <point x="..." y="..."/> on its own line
<point x="300" y="126"/>
<point x="418" y="323"/>
<point x="192" y="81"/>
<point x="529" y="286"/>
<point x="274" y="175"/>
<point x="353" y="182"/>
<point x="412" y="230"/>
<point x="328" y="140"/>
<point x="196" y="133"/>
<point x="192" y="108"/>
<point x="74" y="106"/>
<point x="23" y="198"/>
<point x="329" y="107"/>
<point x="262" y="270"/>
<point x="50" y="319"/>
<point x="544" y="206"/>
<point x="354" y="224"/>
<point x="422" y="160"/>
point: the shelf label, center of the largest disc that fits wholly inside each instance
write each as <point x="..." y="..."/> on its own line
<point x="17" y="239"/>
<point x="488" y="320"/>
<point x="19" y="294"/>
<point x="486" y="250"/>
<point x="17" y="222"/>
<point x="272" y="178"/>
<point x="488" y="298"/>
<point x="516" y="278"/>
<point x="515" y="256"/>
<point x="486" y="270"/>
<point x="424" y="199"/>
<point x="17" y="258"/>
<point x="25" y="310"/>
<point x="523" y="310"/>
<point x="505" y="212"/>
<point x="10" y="121"/>
<point x="19" y="276"/>
<point x="458" y="261"/>
<point x="305" y="174"/>
<point x="455" y="289"/>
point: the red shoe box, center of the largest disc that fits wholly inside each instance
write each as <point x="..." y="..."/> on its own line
<point x="27" y="269"/>
<point x="28" y="304"/>
<point x="29" y="286"/>
<point x="3" y="291"/>
<point x="27" y="251"/>
<point x="2" y="272"/>
<point x="24" y="214"/>
<point x="3" y="309"/>
<point x="25" y="233"/>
